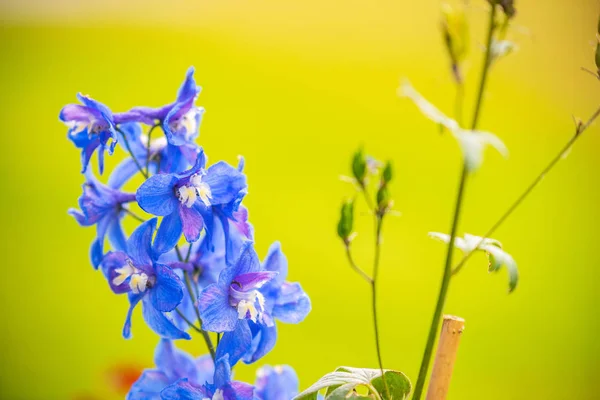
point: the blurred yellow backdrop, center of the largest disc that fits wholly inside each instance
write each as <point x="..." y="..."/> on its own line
<point x="296" y="86"/>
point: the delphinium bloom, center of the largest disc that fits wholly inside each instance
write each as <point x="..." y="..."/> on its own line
<point x="222" y="388"/>
<point x="276" y="383"/>
<point x="137" y="273"/>
<point x="187" y="200"/>
<point x="91" y="126"/>
<point x="280" y="300"/>
<point x="172" y="365"/>
<point x="102" y="205"/>
<point x="235" y="297"/>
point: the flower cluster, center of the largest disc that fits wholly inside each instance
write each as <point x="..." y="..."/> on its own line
<point x="191" y="261"/>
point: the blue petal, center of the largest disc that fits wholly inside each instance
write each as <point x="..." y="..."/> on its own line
<point x="189" y="88"/>
<point x="235" y="343"/>
<point x="176" y="364"/>
<point x="216" y="312"/>
<point x="160" y="323"/>
<point x="168" y="233"/>
<point x="157" y="195"/>
<point x="124" y="171"/>
<point x="280" y="382"/>
<point x="263" y="341"/>
<point x="183" y="390"/>
<point x="134" y="299"/>
<point x="96" y="105"/>
<point x="148" y="385"/>
<point x="192" y="221"/>
<point x="133" y="133"/>
<point x="139" y="243"/>
<point x="225" y="183"/>
<point x="222" y="371"/>
<point x="178" y="110"/>
<point x="292" y="304"/>
<point x="247" y="262"/>
<point x="96" y="253"/>
<point x="277" y="262"/>
<point x="116" y="236"/>
<point x="167" y="291"/>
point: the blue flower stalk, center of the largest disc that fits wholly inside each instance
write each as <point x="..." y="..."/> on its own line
<point x="191" y="261"/>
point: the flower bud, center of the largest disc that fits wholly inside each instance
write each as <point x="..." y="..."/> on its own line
<point x="359" y="166"/>
<point x="383" y="197"/>
<point x="387" y="174"/>
<point x="456" y="36"/>
<point x="508" y="6"/>
<point x="346" y="220"/>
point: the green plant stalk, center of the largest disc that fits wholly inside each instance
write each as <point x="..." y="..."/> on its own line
<point x="379" y="222"/>
<point x="561" y="154"/>
<point x="148" y="153"/>
<point x="439" y="308"/>
<point x="137" y="163"/>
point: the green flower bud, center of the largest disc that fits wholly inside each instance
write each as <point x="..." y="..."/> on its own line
<point x="387" y="174"/>
<point x="383" y="197"/>
<point x="359" y="166"/>
<point x="346" y="220"/>
<point x="597" y="59"/>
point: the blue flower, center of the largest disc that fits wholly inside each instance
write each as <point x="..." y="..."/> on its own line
<point x="188" y="200"/>
<point x="223" y="387"/>
<point x="137" y="273"/>
<point x="171" y="365"/>
<point x="102" y="205"/>
<point x="91" y="126"/>
<point x="235" y="297"/>
<point x="276" y="383"/>
<point x="283" y="301"/>
<point x="179" y="120"/>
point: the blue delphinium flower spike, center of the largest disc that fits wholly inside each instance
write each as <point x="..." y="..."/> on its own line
<point x="137" y="273"/>
<point x="187" y="200"/>
<point x="276" y="383"/>
<point x="223" y="387"/>
<point x="283" y="301"/>
<point x="102" y="205"/>
<point x="235" y="297"/>
<point x="172" y="365"/>
<point x="179" y="120"/>
<point x="91" y="126"/>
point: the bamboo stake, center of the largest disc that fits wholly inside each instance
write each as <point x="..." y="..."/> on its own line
<point x="452" y="328"/>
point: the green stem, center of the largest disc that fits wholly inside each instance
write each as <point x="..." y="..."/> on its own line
<point x="188" y="284"/>
<point x="132" y="214"/>
<point x="439" y="308"/>
<point x="379" y="222"/>
<point x="561" y="154"/>
<point x="148" y="155"/>
<point x="128" y="146"/>
<point x="190" y="323"/>
<point x="355" y="267"/>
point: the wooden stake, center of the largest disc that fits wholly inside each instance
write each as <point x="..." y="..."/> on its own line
<point x="452" y="328"/>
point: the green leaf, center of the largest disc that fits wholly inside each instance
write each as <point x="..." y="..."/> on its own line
<point x="388" y="172"/>
<point x="497" y="257"/>
<point x="342" y="384"/>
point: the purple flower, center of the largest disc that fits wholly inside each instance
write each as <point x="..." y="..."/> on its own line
<point x="187" y="200"/>
<point x="283" y="301"/>
<point x="171" y="365"/>
<point x="137" y="273"/>
<point x="223" y="387"/>
<point x="276" y="383"/>
<point x="179" y="120"/>
<point x="235" y="297"/>
<point x="102" y="205"/>
<point x="91" y="126"/>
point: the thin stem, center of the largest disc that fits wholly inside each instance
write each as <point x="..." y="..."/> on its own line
<point x="218" y="338"/>
<point x="132" y="214"/>
<point x="148" y="154"/>
<point x="363" y="189"/>
<point x="190" y="323"/>
<point x="379" y="223"/>
<point x="135" y="160"/>
<point x="458" y="102"/>
<point x="355" y="267"/>
<point x="188" y="284"/>
<point x="189" y="252"/>
<point x="435" y="322"/>
<point x="564" y="150"/>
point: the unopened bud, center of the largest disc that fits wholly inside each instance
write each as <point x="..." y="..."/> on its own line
<point x="346" y="221"/>
<point x="359" y="166"/>
<point x="387" y="173"/>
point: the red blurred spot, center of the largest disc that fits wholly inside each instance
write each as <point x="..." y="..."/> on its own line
<point x="120" y="377"/>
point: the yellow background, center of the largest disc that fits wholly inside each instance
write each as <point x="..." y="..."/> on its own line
<point x="296" y="86"/>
